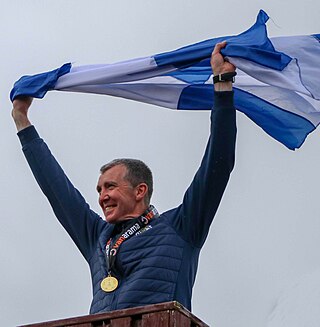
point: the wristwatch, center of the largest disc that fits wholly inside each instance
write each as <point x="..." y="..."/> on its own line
<point x="226" y="77"/>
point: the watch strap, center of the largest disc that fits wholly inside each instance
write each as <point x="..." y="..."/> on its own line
<point x="226" y="77"/>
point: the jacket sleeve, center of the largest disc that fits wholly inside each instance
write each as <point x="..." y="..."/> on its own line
<point x="71" y="209"/>
<point x="201" y="200"/>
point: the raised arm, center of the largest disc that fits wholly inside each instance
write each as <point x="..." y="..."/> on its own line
<point x="20" y="112"/>
<point x="71" y="209"/>
<point x="203" y="196"/>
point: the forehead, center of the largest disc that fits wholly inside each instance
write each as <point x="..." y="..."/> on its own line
<point x="115" y="174"/>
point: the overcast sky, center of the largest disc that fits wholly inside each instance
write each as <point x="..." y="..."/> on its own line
<point x="263" y="248"/>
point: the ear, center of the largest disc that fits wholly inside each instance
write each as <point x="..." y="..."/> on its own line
<point x="141" y="191"/>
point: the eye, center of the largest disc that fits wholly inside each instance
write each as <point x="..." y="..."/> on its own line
<point x="110" y="186"/>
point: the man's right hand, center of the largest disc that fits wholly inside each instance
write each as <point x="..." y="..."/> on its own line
<point x="19" y="112"/>
<point x="220" y="65"/>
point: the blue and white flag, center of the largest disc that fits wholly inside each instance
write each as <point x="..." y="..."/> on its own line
<point x="277" y="85"/>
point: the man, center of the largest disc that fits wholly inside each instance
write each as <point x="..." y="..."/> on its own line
<point x="136" y="256"/>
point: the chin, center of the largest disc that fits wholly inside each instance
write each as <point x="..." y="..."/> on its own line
<point x="111" y="220"/>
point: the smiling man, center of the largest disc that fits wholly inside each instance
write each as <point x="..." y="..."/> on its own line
<point x="136" y="256"/>
<point x="125" y="187"/>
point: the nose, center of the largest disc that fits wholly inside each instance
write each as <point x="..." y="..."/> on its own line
<point x="104" y="196"/>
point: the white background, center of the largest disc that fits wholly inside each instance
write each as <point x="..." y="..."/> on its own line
<point x="261" y="263"/>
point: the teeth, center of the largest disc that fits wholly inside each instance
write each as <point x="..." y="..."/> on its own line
<point x="108" y="208"/>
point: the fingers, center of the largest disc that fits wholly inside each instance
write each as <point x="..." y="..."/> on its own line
<point x="218" y="47"/>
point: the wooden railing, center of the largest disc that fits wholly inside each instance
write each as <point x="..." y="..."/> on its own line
<point x="169" y="314"/>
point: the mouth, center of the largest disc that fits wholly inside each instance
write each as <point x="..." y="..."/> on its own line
<point x="109" y="208"/>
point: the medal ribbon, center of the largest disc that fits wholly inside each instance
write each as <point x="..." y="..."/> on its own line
<point x="132" y="229"/>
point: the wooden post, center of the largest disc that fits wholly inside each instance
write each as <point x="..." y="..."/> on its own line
<point x="169" y="314"/>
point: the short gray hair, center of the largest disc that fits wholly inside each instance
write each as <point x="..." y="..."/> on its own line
<point x="137" y="172"/>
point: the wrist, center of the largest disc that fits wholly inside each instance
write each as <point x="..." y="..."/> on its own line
<point x="20" y="119"/>
<point x="223" y="81"/>
<point x="223" y="86"/>
<point x="224" y="77"/>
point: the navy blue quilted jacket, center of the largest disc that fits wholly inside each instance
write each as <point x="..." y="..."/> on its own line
<point x="160" y="264"/>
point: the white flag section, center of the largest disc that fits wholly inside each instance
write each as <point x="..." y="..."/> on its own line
<point x="276" y="86"/>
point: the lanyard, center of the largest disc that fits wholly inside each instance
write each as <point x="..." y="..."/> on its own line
<point x="137" y="224"/>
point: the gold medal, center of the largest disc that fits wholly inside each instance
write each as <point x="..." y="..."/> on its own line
<point x="109" y="284"/>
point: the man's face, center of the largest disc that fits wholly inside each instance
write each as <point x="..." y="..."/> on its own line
<point x="117" y="197"/>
